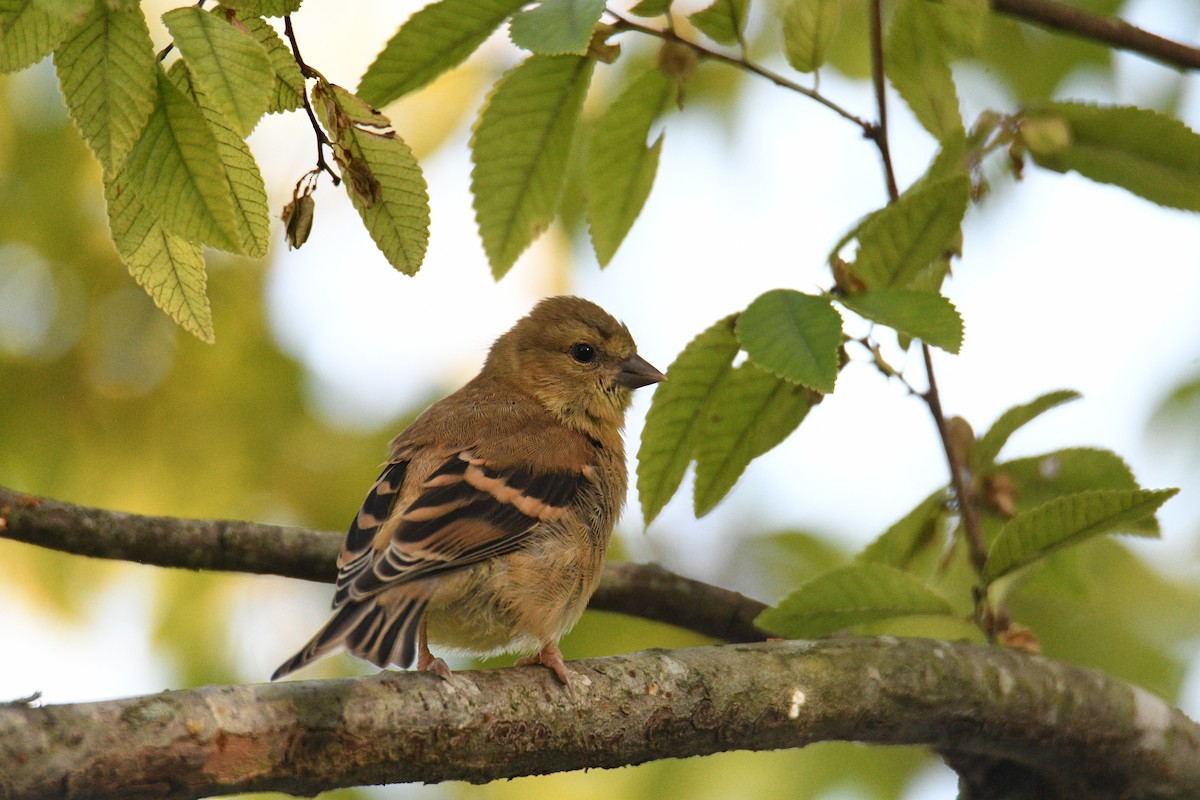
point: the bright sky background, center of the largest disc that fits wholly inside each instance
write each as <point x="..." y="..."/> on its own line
<point x="1063" y="284"/>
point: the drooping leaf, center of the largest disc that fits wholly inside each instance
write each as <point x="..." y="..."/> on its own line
<point x="929" y="317"/>
<point x="28" y="33"/>
<point x="808" y="29"/>
<point x="620" y="168"/>
<point x="438" y="37"/>
<point x="794" y="336"/>
<point x="1012" y="420"/>
<point x="175" y="169"/>
<point x="914" y="532"/>
<point x="382" y="177"/>
<point x="557" y="27"/>
<point x="1069" y="520"/>
<point x="288" y="88"/>
<point x="106" y="69"/>
<point x="677" y="414"/>
<point x="896" y="244"/>
<point x="1150" y="154"/>
<point x="851" y="595"/>
<point x="650" y="8"/>
<point x="229" y="65"/>
<point x="750" y="412"/>
<point x="243" y="179"/>
<point x="167" y="266"/>
<point x="724" y="21"/>
<point x="520" y="150"/>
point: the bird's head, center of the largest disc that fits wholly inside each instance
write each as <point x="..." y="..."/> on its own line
<point x="576" y="360"/>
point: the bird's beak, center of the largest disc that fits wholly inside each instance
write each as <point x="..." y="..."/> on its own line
<point x="637" y="372"/>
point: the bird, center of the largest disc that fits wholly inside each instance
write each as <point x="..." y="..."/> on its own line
<point x="487" y="528"/>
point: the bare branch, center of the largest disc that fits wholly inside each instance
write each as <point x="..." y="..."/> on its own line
<point x="643" y="590"/>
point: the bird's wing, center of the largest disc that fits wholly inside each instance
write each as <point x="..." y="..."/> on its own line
<point x="466" y="511"/>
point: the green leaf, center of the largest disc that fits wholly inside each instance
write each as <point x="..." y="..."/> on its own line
<point x="1034" y="534"/>
<point x="750" y="412"/>
<point x="677" y="414"/>
<point x="74" y="12"/>
<point x="264" y="8"/>
<point x="167" y="266"/>
<point x="651" y="8"/>
<point x="620" y="168"/>
<point x="896" y="244"/>
<point x="724" y="21"/>
<point x="243" y="179"/>
<point x="435" y="39"/>
<point x="1150" y="154"/>
<point x="851" y="595"/>
<point x="911" y="535"/>
<point x="176" y="170"/>
<point x="991" y="443"/>
<point x="28" y="33"/>
<point x="381" y="175"/>
<point x="106" y="69"/>
<point x="288" y="90"/>
<point x="557" y="27"/>
<point x="520" y="149"/>
<point x="794" y="336"/>
<point x="929" y="317"/>
<point x="808" y="30"/>
<point x="229" y="65"/>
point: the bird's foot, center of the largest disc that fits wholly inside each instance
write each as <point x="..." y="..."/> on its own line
<point x="550" y="656"/>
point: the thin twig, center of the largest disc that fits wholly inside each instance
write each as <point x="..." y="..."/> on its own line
<point x="309" y="72"/>
<point x="879" y="133"/>
<point x="624" y="23"/>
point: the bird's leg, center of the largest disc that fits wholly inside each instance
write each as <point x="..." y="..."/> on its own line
<point x="426" y="661"/>
<point x="550" y="656"/>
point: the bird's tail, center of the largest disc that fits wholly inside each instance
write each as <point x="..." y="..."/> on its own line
<point x="380" y="633"/>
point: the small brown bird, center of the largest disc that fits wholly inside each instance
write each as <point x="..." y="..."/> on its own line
<point x="487" y="530"/>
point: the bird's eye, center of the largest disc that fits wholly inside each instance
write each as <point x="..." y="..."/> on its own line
<point x="583" y="353"/>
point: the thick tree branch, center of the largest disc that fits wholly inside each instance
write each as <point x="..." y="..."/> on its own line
<point x="1106" y="30"/>
<point x="643" y="590"/>
<point x="1079" y="732"/>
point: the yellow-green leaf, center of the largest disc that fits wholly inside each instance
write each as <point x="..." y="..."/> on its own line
<point x="723" y="21"/>
<point x="167" y="266"/>
<point x="677" y="414"/>
<point x="106" y="69"/>
<point x="794" y="336"/>
<point x="929" y="317"/>
<point x="556" y="27"/>
<point x="1012" y="420"/>
<point x="808" y="30"/>
<point x="288" y="91"/>
<point x="620" y="168"/>
<point x="28" y="33"/>
<point x="850" y="595"/>
<point x="1034" y="534"/>
<point x="914" y="533"/>
<point x="520" y="149"/>
<point x="229" y="65"/>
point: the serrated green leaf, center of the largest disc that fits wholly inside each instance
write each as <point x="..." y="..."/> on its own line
<point x="556" y="27"/>
<point x="28" y="33"/>
<point x="1012" y="420"/>
<point x="808" y="30"/>
<point x="650" y="8"/>
<point x="520" y="150"/>
<point x="1150" y="154"/>
<point x="794" y="336"/>
<point x="244" y="181"/>
<point x="750" y="412"/>
<point x="620" y="168"/>
<point x="73" y="12"/>
<point x="438" y="37"/>
<point x="176" y="170"/>
<point x="896" y="244"/>
<point x="396" y="210"/>
<point x="1065" y="521"/>
<point x="1039" y="479"/>
<point x="288" y="91"/>
<point x="851" y="595"/>
<point x="724" y="21"/>
<point x="264" y="8"/>
<point x="914" y="532"/>
<point x="920" y="69"/>
<point x="229" y="65"/>
<point x="106" y="69"/>
<point x="677" y="414"/>
<point x="167" y="266"/>
<point x="929" y="317"/>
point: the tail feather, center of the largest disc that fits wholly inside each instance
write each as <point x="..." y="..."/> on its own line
<point x="381" y="634"/>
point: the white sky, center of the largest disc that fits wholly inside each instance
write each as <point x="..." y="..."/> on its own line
<point x="1063" y="284"/>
